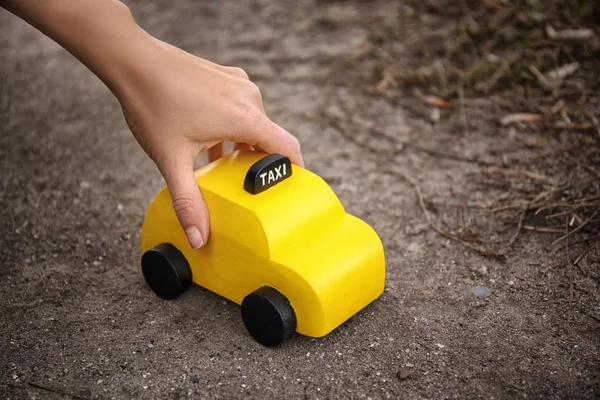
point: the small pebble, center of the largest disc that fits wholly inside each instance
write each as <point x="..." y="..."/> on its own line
<point x="494" y="59"/>
<point x="195" y="379"/>
<point x="483" y="271"/>
<point x="403" y="374"/>
<point x="414" y="248"/>
<point x="481" y="291"/>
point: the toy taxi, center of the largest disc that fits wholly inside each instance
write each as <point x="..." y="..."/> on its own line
<point x="281" y="245"/>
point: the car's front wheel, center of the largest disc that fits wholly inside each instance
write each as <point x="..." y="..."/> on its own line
<point x="268" y="316"/>
<point x="166" y="271"/>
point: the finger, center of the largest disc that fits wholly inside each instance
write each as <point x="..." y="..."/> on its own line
<point x="242" y="146"/>
<point x="274" y="139"/>
<point x="215" y="152"/>
<point x="235" y="71"/>
<point x="188" y="202"/>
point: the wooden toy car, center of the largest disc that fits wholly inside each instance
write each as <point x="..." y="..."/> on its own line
<point x="281" y="245"/>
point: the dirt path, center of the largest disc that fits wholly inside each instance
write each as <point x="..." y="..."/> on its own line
<point x="78" y="319"/>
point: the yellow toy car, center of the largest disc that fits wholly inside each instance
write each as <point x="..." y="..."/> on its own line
<point x="281" y="245"/>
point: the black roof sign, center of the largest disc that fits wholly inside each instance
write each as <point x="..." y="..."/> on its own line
<point x="267" y="172"/>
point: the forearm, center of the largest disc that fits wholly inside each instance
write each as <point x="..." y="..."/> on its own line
<point x="100" y="33"/>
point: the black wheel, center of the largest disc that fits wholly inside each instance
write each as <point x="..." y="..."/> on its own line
<point x="166" y="271"/>
<point x="268" y="316"/>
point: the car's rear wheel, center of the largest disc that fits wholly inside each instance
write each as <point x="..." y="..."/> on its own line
<point x="268" y="316"/>
<point x="166" y="271"/>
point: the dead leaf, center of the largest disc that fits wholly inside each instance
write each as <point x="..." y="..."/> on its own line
<point x="563" y="71"/>
<point x="520" y="117"/>
<point x="436" y="102"/>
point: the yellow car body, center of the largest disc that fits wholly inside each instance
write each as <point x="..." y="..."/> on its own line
<point x="294" y="236"/>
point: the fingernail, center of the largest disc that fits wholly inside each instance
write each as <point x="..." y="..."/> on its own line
<point x="194" y="237"/>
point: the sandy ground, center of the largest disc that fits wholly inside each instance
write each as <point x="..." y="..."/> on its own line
<point x="77" y="318"/>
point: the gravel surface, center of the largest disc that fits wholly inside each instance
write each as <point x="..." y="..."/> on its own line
<point x="78" y="319"/>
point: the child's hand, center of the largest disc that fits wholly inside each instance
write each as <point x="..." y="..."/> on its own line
<point x="178" y="105"/>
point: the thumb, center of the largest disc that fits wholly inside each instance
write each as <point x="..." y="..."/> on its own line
<point x="188" y="202"/>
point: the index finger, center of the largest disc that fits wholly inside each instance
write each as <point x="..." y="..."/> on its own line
<point x="274" y="139"/>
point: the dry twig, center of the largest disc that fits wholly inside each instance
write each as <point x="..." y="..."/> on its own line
<point x="542" y="229"/>
<point x="420" y="197"/>
<point x="569" y="34"/>
<point x="540" y="77"/>
<point x="587" y="250"/>
<point x="566" y="235"/>
<point x="334" y="123"/>
<point x="512" y="239"/>
<point x="570" y="266"/>
<point x="59" y="391"/>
